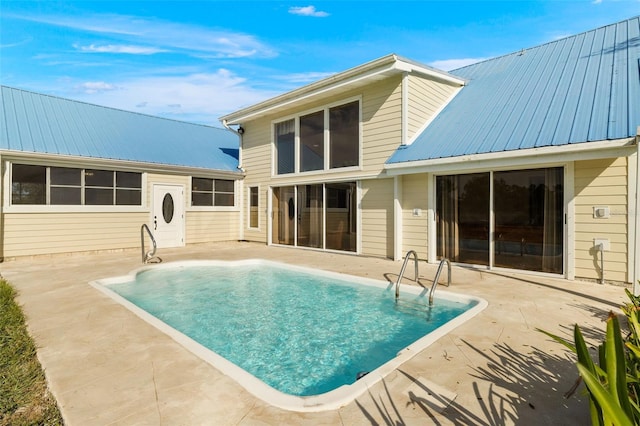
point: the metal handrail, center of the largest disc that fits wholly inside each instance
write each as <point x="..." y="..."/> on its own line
<point x="437" y="278"/>
<point x="404" y="266"/>
<point x="147" y="256"/>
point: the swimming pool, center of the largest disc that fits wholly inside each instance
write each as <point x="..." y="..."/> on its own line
<point x="296" y="338"/>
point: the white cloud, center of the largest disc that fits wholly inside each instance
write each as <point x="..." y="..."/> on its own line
<point x="308" y="11"/>
<point x="167" y="35"/>
<point x="119" y="48"/>
<point x="596" y="1"/>
<point x="198" y="97"/>
<point x="92" y="87"/>
<point x="308" y="77"/>
<point x="452" y="64"/>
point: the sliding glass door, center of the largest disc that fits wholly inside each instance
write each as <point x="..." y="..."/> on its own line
<point x="318" y="216"/>
<point x="528" y="214"/>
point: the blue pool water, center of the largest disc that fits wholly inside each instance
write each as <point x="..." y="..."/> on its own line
<point x="301" y="333"/>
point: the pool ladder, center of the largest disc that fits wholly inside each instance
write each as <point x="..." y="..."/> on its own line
<point x="148" y="256"/>
<point x="436" y="279"/>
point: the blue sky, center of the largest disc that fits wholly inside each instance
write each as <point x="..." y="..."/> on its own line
<point x="198" y="60"/>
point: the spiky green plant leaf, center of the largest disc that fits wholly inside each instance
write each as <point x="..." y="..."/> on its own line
<point x="612" y="412"/>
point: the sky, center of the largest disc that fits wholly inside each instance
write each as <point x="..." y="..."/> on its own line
<point x="199" y="60"/>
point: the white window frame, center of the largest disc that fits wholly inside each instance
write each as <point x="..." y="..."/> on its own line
<point x="233" y="208"/>
<point x="296" y="117"/>
<point x="253" y="228"/>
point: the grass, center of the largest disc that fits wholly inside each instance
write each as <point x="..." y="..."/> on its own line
<point x="24" y="396"/>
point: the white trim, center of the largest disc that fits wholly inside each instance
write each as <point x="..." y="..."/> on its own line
<point x="432" y="240"/>
<point x="359" y="216"/>
<point x="404" y="114"/>
<point x="570" y="221"/>
<point x="397" y="218"/>
<point x="634" y="219"/>
<point x="247" y="225"/>
<point x="269" y="215"/>
<point x="375" y="70"/>
<point x="517" y="158"/>
<point x="58" y="160"/>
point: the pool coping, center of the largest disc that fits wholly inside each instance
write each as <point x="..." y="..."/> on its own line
<point x="331" y="400"/>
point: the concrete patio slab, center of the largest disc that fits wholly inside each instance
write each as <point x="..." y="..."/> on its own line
<point x="106" y="366"/>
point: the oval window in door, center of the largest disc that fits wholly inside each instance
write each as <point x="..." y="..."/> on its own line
<point x="167" y="207"/>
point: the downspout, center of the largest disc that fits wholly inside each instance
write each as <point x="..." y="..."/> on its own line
<point x="241" y="198"/>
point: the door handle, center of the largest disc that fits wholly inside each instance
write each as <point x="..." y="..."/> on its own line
<point x="155" y="223"/>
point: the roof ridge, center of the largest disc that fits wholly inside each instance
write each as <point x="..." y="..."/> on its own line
<point x="108" y="107"/>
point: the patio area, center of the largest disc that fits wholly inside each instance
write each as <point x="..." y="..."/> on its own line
<point x="106" y="366"/>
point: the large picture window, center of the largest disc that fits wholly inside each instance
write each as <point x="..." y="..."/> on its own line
<point x="325" y="139"/>
<point x="212" y="192"/>
<point x="48" y="185"/>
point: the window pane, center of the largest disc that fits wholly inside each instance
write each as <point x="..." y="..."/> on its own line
<point x="253" y="207"/>
<point x="529" y="216"/>
<point x="95" y="197"/>
<point x="98" y="178"/>
<point x="462" y="209"/>
<point x="66" y="195"/>
<point x="65" y="176"/>
<point x="285" y="146"/>
<point x="284" y="213"/>
<point x="28" y="184"/>
<point x="312" y="142"/>
<point x="199" y="184"/>
<point x="341" y="216"/>
<point x="202" y="199"/>
<point x="344" y="135"/>
<point x="224" y="185"/>
<point x="128" y="197"/>
<point x="310" y="213"/>
<point x="224" y="199"/>
<point x="128" y="180"/>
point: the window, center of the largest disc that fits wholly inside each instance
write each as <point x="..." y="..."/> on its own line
<point x="47" y="185"/>
<point x="331" y="133"/>
<point x="212" y="192"/>
<point x="253" y="207"/>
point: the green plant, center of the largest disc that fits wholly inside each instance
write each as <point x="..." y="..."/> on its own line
<point x="613" y="383"/>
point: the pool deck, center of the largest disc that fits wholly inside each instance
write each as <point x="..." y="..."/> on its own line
<point x="106" y="366"/>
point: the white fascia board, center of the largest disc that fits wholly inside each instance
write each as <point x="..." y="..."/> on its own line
<point x="122" y="165"/>
<point x="390" y="64"/>
<point x="556" y="154"/>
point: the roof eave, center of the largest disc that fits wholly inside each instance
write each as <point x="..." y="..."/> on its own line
<point x="383" y="67"/>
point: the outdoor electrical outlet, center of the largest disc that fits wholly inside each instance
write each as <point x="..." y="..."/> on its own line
<point x="606" y="244"/>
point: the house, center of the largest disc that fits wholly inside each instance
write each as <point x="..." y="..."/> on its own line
<point x="525" y="162"/>
<point x="80" y="177"/>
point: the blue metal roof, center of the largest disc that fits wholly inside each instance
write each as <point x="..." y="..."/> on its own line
<point x="32" y="122"/>
<point x="578" y="89"/>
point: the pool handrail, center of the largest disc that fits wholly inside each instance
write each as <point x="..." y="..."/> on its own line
<point x="437" y="278"/>
<point x="404" y="266"/>
<point x="147" y="256"/>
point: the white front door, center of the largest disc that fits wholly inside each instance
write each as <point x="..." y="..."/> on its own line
<point x="168" y="215"/>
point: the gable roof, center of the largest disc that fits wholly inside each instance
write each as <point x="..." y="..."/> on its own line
<point x="361" y="75"/>
<point x="578" y="89"/>
<point x="37" y="123"/>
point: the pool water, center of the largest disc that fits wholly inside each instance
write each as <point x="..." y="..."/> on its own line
<point x="301" y="333"/>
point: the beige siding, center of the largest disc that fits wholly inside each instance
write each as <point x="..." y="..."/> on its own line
<point x="27" y="234"/>
<point x="426" y="97"/>
<point x="601" y="182"/>
<point x="206" y="227"/>
<point x="377" y="217"/>
<point x="414" y="228"/>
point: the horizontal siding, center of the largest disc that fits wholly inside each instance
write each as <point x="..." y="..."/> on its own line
<point x="27" y="234"/>
<point x="381" y="117"/>
<point x="377" y="217"/>
<point x="414" y="228"/>
<point x="601" y="182"/>
<point x="208" y="227"/>
<point x="426" y="97"/>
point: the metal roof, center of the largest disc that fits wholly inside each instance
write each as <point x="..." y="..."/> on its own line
<point x="37" y="123"/>
<point x="578" y="89"/>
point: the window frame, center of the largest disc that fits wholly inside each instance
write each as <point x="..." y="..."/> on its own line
<point x="47" y="207"/>
<point x="213" y="207"/>
<point x="250" y="206"/>
<point x="326" y="141"/>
